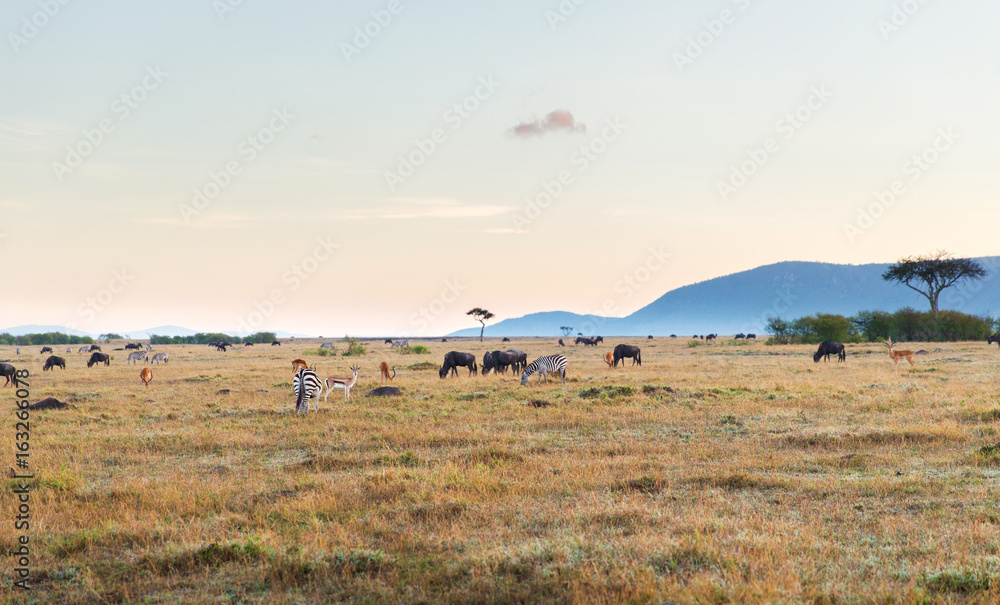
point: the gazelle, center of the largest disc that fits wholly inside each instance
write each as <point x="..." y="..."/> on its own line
<point x="340" y="382"/>
<point x="609" y="358"/>
<point x="895" y="356"/>
<point x="299" y="364"/>
<point x="384" y="369"/>
<point x="146" y="375"/>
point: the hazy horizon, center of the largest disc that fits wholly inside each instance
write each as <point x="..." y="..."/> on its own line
<point x="199" y="163"/>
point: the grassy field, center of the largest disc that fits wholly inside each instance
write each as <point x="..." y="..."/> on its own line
<point x="715" y="473"/>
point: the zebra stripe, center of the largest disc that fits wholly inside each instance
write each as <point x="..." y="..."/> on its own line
<point x="161" y="357"/>
<point x="544" y="365"/>
<point x="136" y="357"/>
<point x="307" y="386"/>
<point x="400" y="343"/>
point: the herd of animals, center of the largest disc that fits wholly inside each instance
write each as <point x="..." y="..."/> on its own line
<point x="308" y="386"/>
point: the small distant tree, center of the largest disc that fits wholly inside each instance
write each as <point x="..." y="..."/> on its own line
<point x="482" y="316"/>
<point x="931" y="274"/>
<point x="110" y="336"/>
<point x="566" y="330"/>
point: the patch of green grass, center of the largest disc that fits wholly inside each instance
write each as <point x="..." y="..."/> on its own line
<point x="415" y="350"/>
<point x="608" y="391"/>
<point x="958" y="582"/>
<point x="422" y="365"/>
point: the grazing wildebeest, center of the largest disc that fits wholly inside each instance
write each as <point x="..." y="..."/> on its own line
<point x="488" y="363"/>
<point x="444" y="340"/>
<point x="503" y="360"/>
<point x="650" y="337"/>
<point x="505" y="339"/>
<point x="46" y="350"/>
<point x="248" y="344"/>
<point x="453" y="359"/>
<point x="598" y="339"/>
<point x="711" y="337"/>
<point x="830" y="348"/>
<point x="521" y="362"/>
<point x="94" y="348"/>
<point x="751" y="336"/>
<point x="8" y="372"/>
<point x="993" y="339"/>
<point x="54" y="361"/>
<point x="587" y="341"/>
<point x="131" y="345"/>
<point x="388" y="341"/>
<point x="623" y="351"/>
<point x="222" y="346"/>
<point x="96" y="358"/>
<point x="561" y="343"/>
<point x="276" y="344"/>
<point x="739" y="336"/>
<point x="673" y="336"/>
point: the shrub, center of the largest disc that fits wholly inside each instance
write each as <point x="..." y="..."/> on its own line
<point x="353" y="347"/>
<point x="416" y="349"/>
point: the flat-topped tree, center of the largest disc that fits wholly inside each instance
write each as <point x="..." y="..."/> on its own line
<point x="482" y="316"/>
<point x="931" y="274"/>
<point x="566" y="330"/>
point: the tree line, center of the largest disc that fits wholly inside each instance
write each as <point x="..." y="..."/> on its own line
<point x="203" y="338"/>
<point x="905" y="325"/>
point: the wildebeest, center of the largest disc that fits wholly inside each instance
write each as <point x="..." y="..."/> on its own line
<point x="505" y="339"/>
<point x="587" y="341"/>
<point x="54" y="361"/>
<point x="830" y="348"/>
<point x="751" y="336"/>
<point x="248" y="344"/>
<point x="453" y="359"/>
<point x="504" y="359"/>
<point x="388" y="341"/>
<point x="45" y="350"/>
<point x="650" y="337"/>
<point x="96" y="358"/>
<point x="521" y="362"/>
<point x="94" y="348"/>
<point x="132" y="345"/>
<point x="711" y="337"/>
<point x="739" y="336"/>
<point x="623" y="351"/>
<point x="444" y="340"/>
<point x="993" y="339"/>
<point x="8" y="372"/>
<point x="598" y="339"/>
<point x="488" y="362"/>
<point x="673" y="336"/>
<point x="561" y="343"/>
<point x="275" y="344"/>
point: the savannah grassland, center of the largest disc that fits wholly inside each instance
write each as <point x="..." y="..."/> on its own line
<point x="712" y="474"/>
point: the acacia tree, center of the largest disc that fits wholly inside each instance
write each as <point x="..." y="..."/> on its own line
<point x="482" y="316"/>
<point x="566" y="330"/>
<point x="931" y="274"/>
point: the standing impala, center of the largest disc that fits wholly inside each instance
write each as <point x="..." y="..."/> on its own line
<point x="895" y="356"/>
<point x="340" y="382"/>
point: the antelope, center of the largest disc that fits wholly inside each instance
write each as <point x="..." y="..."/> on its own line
<point x="384" y="369"/>
<point x="146" y="375"/>
<point x="609" y="358"/>
<point x="299" y="364"/>
<point x="895" y="356"/>
<point x="341" y="382"/>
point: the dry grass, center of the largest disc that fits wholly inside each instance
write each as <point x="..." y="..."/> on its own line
<point x="712" y="474"/>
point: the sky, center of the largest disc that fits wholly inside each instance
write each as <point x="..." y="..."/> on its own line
<point x="382" y="167"/>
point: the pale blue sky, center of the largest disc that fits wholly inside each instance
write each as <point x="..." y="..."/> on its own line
<point x="323" y="176"/>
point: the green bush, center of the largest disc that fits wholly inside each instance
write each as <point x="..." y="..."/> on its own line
<point x="905" y="325"/>
<point x="353" y="347"/>
<point x="416" y="349"/>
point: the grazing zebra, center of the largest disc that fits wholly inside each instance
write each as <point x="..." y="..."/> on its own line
<point x="161" y="357"/>
<point x="400" y="343"/>
<point x="136" y="356"/>
<point x="544" y="365"/>
<point x="84" y="349"/>
<point x="307" y="386"/>
<point x="149" y="347"/>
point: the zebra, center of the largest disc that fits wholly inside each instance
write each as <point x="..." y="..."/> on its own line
<point x="84" y="349"/>
<point x="307" y="386"/>
<point x="161" y="357"/>
<point x="149" y="347"/>
<point x="400" y="343"/>
<point x="136" y="356"/>
<point x="544" y="365"/>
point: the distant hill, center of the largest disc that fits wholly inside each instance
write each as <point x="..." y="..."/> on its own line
<point x="742" y="302"/>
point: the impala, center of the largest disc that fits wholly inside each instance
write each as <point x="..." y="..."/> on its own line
<point x="895" y="356"/>
<point x="609" y="358"/>
<point x="384" y="369"/>
<point x="341" y="382"/>
<point x="299" y="364"/>
<point x="146" y="375"/>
